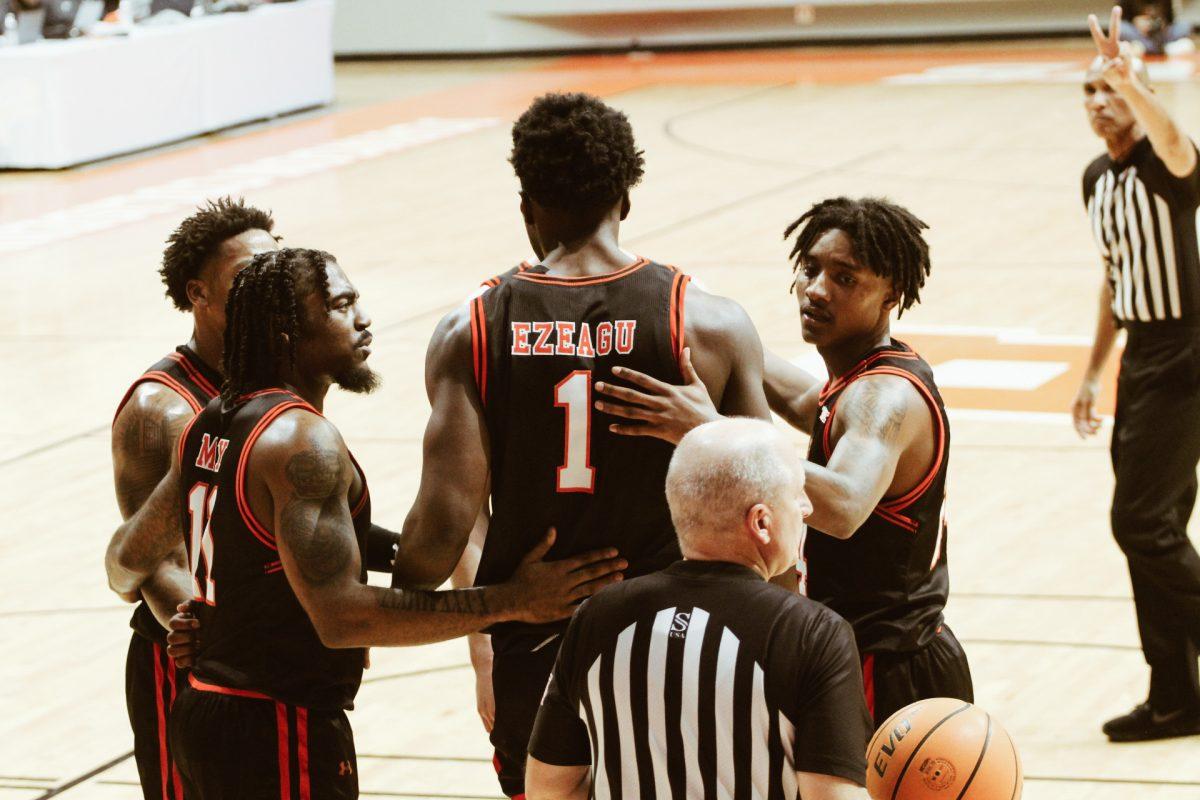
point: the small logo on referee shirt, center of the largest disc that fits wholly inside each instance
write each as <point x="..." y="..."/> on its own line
<point x="679" y="625"/>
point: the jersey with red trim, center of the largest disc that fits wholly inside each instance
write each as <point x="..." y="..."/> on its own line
<point x="889" y="579"/>
<point x="496" y="280"/>
<point x="197" y="383"/>
<point x="539" y="343"/>
<point x="256" y="635"/>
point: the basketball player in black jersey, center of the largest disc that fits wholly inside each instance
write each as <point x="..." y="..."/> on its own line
<point x="203" y="254"/>
<point x="876" y="549"/>
<point x="275" y="512"/>
<point x="509" y="376"/>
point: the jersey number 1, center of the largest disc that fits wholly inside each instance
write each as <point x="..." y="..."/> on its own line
<point x="574" y="394"/>
<point x="201" y="500"/>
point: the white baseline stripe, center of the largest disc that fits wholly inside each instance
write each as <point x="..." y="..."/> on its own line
<point x="186" y="193"/>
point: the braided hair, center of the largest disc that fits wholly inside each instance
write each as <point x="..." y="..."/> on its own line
<point x="264" y="317"/>
<point x="886" y="238"/>
<point x="200" y="236"/>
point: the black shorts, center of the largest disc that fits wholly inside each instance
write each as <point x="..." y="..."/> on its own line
<point x="518" y="682"/>
<point x="230" y="747"/>
<point x="895" y="680"/>
<point x="151" y="684"/>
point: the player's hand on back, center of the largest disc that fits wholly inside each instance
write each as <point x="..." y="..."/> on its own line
<point x="183" y="636"/>
<point x="546" y="591"/>
<point x="1083" y="410"/>
<point x="662" y="410"/>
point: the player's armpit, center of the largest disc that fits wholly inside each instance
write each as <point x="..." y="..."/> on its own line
<point x="455" y="463"/>
<point x="150" y="535"/>
<point x="144" y="435"/>
<point x="874" y="425"/>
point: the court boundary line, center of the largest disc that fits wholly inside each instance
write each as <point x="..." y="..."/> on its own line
<point x="57" y="790"/>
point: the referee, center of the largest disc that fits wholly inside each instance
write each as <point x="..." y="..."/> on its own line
<point x="704" y="680"/>
<point x="1142" y="198"/>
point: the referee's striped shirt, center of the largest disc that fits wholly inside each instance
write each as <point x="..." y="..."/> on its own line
<point x="704" y="681"/>
<point x="1144" y="221"/>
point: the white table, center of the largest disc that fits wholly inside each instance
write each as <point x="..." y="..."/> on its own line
<point x="69" y="102"/>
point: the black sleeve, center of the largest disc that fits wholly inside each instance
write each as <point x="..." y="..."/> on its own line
<point x="831" y="719"/>
<point x="380" y="550"/>
<point x="560" y="736"/>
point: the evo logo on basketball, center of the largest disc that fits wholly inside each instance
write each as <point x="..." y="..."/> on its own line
<point x="886" y="751"/>
<point x="573" y="339"/>
<point x="211" y="453"/>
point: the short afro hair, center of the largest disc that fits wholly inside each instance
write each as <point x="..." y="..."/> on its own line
<point x="572" y="152"/>
<point x="199" y="237"/>
<point x="886" y="238"/>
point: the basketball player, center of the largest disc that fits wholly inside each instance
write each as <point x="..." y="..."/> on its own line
<point x="509" y="377"/>
<point x="202" y="256"/>
<point x="1142" y="196"/>
<point x="702" y="680"/>
<point x="276" y="512"/>
<point x="876" y="549"/>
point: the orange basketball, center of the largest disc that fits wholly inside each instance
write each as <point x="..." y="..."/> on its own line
<point x="943" y="749"/>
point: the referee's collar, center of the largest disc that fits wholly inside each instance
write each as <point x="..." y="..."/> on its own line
<point x="717" y="570"/>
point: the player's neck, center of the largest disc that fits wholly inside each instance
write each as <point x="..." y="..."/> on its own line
<point x="1121" y="145"/>
<point x="312" y="392"/>
<point x="208" y="347"/>
<point x="845" y="356"/>
<point x="729" y="557"/>
<point x="598" y="255"/>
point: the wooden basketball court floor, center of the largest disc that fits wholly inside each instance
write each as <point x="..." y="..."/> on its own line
<point x="405" y="181"/>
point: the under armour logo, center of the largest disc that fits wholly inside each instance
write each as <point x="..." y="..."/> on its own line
<point x="824" y="413"/>
<point x="679" y="625"/>
<point x="344" y="769"/>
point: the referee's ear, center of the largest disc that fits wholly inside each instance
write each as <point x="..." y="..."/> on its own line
<point x="759" y="523"/>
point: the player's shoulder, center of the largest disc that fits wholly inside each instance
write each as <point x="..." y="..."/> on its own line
<point x="154" y="401"/>
<point x="714" y="317"/>
<point x="299" y="431"/>
<point x="880" y="399"/>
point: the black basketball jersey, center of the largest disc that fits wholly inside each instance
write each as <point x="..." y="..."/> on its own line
<point x="197" y="383"/>
<point x="257" y="637"/>
<point x="889" y="579"/>
<point x="539" y="343"/>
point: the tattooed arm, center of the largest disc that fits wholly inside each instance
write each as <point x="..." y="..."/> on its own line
<point x="152" y="534"/>
<point x="144" y="436"/>
<point x="301" y="467"/>
<point x="878" y="418"/>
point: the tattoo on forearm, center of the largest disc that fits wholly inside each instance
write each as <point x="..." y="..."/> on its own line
<point x="457" y="601"/>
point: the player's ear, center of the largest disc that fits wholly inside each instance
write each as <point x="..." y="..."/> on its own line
<point x="197" y="292"/>
<point x="891" y="300"/>
<point x="624" y="205"/>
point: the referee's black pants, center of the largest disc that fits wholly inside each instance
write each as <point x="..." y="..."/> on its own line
<point x="1155" y="450"/>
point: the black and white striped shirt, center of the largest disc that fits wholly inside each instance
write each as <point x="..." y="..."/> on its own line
<point x="704" y="681"/>
<point x="1144" y="221"/>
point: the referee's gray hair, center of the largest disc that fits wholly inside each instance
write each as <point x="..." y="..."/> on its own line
<point x="720" y="470"/>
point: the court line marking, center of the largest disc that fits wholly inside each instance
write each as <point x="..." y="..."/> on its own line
<point x="150" y="201"/>
<point x="398" y="757"/>
<point x="1036" y="643"/>
<point x="57" y="790"/>
<point x="1128" y="781"/>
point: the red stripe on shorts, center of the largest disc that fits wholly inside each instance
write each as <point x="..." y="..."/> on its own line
<point x="868" y="667"/>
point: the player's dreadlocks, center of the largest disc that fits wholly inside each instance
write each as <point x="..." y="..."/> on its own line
<point x="264" y="315"/>
<point x="573" y="152"/>
<point x="886" y="238"/>
<point x="198" y="237"/>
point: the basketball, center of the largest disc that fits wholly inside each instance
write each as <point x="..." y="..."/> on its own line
<point x="943" y="748"/>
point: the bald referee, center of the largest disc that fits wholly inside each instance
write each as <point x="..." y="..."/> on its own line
<point x="704" y="680"/>
<point x="1142" y="198"/>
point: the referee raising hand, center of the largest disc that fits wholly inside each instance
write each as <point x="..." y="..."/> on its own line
<point x="1142" y="197"/>
<point x="705" y="680"/>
